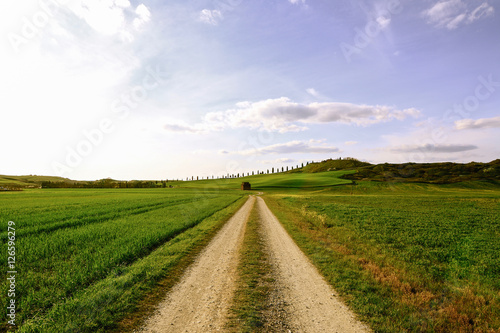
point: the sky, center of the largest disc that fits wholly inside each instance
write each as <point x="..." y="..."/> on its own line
<point x="156" y="89"/>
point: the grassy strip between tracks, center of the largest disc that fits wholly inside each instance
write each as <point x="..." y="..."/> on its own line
<point x="253" y="281"/>
<point x="132" y="291"/>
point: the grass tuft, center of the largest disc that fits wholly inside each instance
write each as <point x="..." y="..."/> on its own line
<point x="249" y="302"/>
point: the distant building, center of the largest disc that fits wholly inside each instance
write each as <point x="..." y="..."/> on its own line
<point x="245" y="186"/>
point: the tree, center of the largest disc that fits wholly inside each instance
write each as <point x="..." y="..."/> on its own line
<point x="272" y="170"/>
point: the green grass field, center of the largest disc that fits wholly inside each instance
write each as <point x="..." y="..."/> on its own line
<point x="85" y="257"/>
<point x="406" y="257"/>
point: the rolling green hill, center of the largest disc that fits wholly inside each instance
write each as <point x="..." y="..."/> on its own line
<point x="29" y="181"/>
<point x="274" y="181"/>
<point x="316" y="174"/>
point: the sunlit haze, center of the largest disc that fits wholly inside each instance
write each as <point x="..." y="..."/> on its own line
<point x="172" y="89"/>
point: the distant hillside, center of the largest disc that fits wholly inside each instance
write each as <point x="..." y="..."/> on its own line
<point x="436" y="173"/>
<point x="31" y="181"/>
<point x="332" y="165"/>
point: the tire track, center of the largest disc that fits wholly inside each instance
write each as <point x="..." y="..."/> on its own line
<point x="201" y="300"/>
<point x="309" y="301"/>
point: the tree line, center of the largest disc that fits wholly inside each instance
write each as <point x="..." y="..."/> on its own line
<point x="247" y="174"/>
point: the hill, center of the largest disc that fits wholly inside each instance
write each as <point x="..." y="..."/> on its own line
<point x="31" y="181"/>
<point x="288" y="180"/>
<point x="434" y="173"/>
<point x="332" y="165"/>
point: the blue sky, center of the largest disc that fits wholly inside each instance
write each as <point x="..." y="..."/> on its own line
<point x="171" y="89"/>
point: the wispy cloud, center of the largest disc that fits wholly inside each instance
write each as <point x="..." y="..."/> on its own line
<point x="212" y="17"/>
<point x="282" y="115"/>
<point x="296" y="2"/>
<point x="279" y="161"/>
<point x="479" y="123"/>
<point x="451" y="14"/>
<point x="183" y="128"/>
<point x="433" y="148"/>
<point x="313" y="92"/>
<point x="292" y="147"/>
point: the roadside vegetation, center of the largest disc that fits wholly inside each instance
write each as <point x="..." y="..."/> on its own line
<point x="406" y="257"/>
<point x="88" y="257"/>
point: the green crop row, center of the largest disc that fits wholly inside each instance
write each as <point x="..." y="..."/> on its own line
<point x="107" y="235"/>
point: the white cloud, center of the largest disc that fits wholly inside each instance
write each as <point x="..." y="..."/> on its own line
<point x="143" y="16"/>
<point x="292" y="147"/>
<point x="313" y="92"/>
<point x="453" y="24"/>
<point x="295" y="2"/>
<point x="351" y="143"/>
<point x="282" y="115"/>
<point x="212" y="17"/>
<point x="383" y="21"/>
<point x="109" y="17"/>
<point x="479" y="123"/>
<point x="483" y="10"/>
<point x="122" y="3"/>
<point x="451" y="14"/>
<point x="433" y="148"/>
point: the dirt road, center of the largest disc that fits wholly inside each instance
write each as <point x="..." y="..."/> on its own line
<point x="200" y="302"/>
